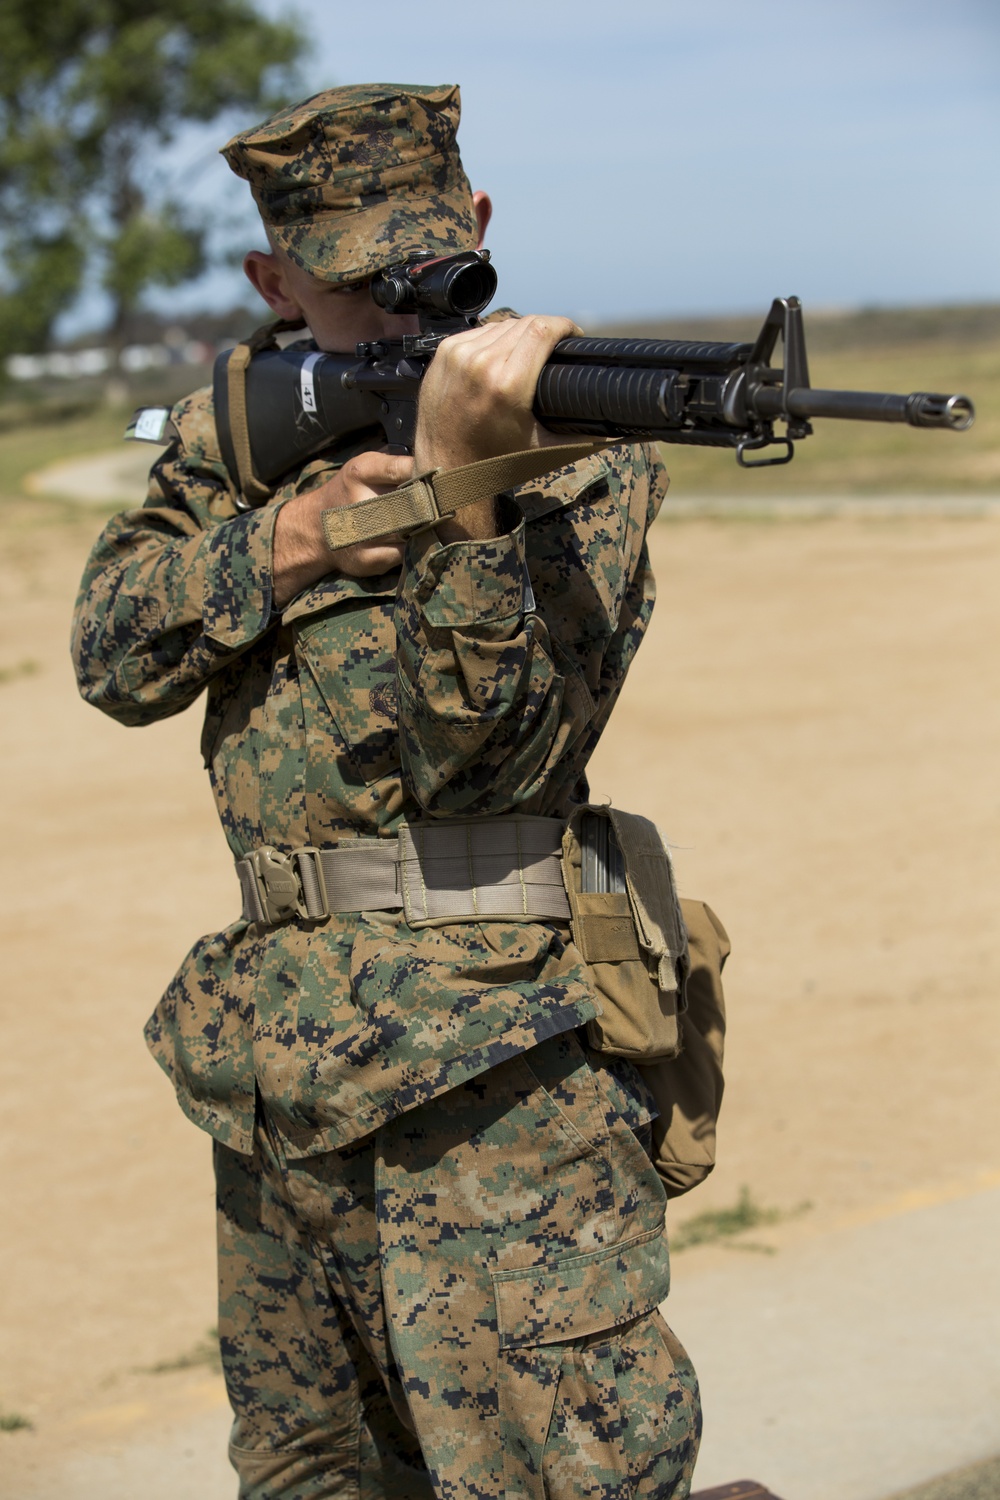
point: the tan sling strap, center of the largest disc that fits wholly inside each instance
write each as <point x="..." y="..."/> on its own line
<point x="461" y="869"/>
<point x="439" y="494"/>
<point x="254" y="491"/>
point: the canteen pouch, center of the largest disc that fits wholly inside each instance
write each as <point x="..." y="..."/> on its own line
<point x="688" y="1088"/>
<point x="632" y="938"/>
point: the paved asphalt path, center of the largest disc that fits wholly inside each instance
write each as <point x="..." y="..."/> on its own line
<point x="854" y="1365"/>
<point x="851" y="1366"/>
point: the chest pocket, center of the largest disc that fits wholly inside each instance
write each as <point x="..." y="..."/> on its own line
<point x="351" y="657"/>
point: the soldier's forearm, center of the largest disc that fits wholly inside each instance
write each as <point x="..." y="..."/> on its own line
<point x="301" y="556"/>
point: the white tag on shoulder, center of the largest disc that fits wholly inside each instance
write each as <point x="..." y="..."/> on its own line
<point x="150" y="424"/>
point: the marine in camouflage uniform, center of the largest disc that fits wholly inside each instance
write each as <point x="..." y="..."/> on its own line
<point x="441" y="1239"/>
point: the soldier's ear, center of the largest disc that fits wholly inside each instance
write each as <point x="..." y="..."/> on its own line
<point x="266" y="275"/>
<point x="483" y="205"/>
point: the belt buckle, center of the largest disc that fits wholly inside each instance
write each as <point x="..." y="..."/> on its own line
<point x="308" y="865"/>
<point x="279" y="888"/>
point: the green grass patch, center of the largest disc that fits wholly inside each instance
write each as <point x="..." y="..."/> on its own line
<point x="722" y="1225"/>
<point x="26" y="668"/>
<point x="974" y="1482"/>
<point x="12" y="1421"/>
<point x="205" y="1353"/>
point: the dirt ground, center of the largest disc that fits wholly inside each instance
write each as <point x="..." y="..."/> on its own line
<point x="813" y="721"/>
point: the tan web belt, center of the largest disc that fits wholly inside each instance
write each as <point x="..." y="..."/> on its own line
<point x="465" y="869"/>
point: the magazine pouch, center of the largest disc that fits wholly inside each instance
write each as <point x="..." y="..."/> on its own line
<point x="687" y="1089"/>
<point x="627" y="924"/>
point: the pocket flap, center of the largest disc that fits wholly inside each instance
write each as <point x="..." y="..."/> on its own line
<point x="582" y="1294"/>
<point x="335" y="589"/>
<point x="603" y="929"/>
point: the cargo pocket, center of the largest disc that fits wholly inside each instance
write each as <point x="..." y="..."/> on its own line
<point x="566" y="1091"/>
<point x="556" y="1330"/>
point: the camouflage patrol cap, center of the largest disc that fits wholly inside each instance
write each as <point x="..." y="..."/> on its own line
<point x="358" y="178"/>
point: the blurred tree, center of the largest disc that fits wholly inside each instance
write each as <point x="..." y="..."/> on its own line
<point x="89" y="90"/>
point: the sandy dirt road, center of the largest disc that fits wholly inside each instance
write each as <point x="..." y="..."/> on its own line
<point x="815" y="724"/>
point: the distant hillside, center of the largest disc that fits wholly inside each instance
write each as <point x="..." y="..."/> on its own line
<point x="826" y="331"/>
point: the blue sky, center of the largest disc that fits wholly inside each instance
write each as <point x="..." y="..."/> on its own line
<point x="674" y="157"/>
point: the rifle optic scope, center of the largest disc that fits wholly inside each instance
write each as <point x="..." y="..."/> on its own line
<point x="454" y="287"/>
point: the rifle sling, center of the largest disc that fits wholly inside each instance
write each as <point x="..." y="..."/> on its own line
<point x="254" y="491"/>
<point x="440" y="493"/>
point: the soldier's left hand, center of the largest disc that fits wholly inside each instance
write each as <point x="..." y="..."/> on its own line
<point x="300" y="553"/>
<point x="476" y="398"/>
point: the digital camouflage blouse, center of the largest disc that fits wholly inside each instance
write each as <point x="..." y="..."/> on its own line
<point x="476" y="679"/>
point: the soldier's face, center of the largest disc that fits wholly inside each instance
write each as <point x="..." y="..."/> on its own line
<point x="338" y="317"/>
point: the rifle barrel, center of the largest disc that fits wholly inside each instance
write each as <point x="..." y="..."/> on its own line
<point x="919" y="409"/>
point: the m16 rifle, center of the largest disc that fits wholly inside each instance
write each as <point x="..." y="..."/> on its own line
<point x="283" y="406"/>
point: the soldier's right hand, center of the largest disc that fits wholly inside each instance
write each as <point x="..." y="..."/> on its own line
<point x="301" y="555"/>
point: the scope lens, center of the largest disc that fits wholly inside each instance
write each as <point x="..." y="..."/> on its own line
<point x="469" y="288"/>
<point x="391" y="292"/>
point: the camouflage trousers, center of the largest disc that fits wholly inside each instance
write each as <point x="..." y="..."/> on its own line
<point x="463" y="1305"/>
